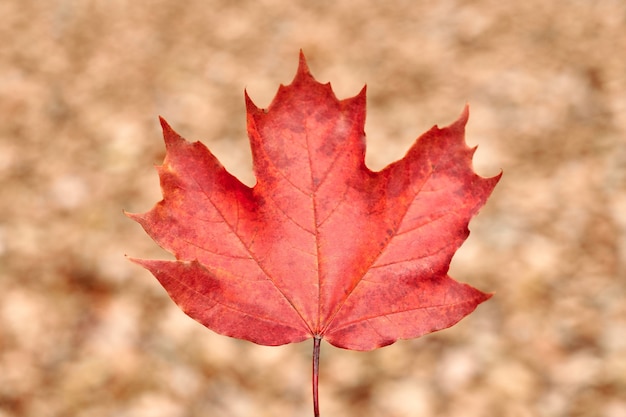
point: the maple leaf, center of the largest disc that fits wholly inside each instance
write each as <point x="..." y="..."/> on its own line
<point x="321" y="246"/>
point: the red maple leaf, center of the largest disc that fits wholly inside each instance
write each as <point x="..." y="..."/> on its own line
<point x="321" y="246"/>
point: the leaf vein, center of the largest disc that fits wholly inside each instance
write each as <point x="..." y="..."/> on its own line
<point x="395" y="313"/>
<point x="252" y="255"/>
<point x="381" y="251"/>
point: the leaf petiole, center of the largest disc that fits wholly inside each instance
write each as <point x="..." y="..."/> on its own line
<point x="316" y="371"/>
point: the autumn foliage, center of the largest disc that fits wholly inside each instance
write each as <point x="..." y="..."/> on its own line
<point x="321" y="246"/>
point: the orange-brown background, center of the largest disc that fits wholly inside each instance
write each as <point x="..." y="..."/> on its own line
<point x="83" y="332"/>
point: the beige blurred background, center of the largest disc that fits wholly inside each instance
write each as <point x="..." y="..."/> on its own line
<point x="83" y="332"/>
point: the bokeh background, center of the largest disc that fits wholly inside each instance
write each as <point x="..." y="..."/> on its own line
<point x="83" y="332"/>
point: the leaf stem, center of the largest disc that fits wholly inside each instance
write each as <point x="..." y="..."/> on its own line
<point x="316" y="371"/>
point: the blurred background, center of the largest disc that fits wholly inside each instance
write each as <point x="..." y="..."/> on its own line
<point x="83" y="332"/>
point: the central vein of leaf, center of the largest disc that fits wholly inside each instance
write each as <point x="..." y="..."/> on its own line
<point x="315" y="228"/>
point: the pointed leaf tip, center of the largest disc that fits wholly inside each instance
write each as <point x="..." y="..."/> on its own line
<point x="461" y="122"/>
<point x="465" y="112"/>
<point x="164" y="124"/>
<point x="129" y="214"/>
<point x="303" y="68"/>
<point x="250" y="106"/>
<point x="169" y="135"/>
<point x="167" y="130"/>
<point x="302" y="65"/>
